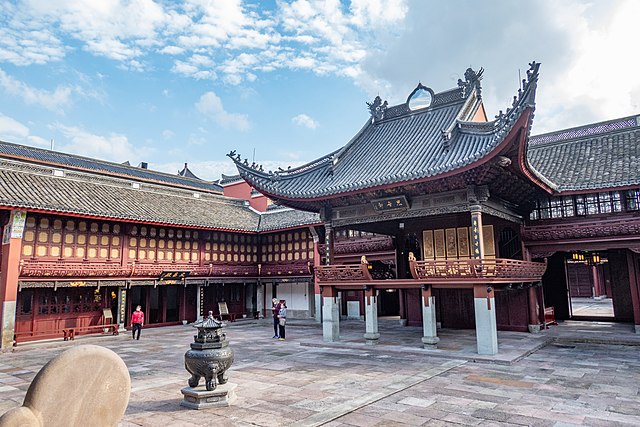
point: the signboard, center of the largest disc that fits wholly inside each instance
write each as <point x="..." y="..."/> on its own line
<point x="106" y="312"/>
<point x="173" y="277"/>
<point x="17" y="224"/>
<point x="15" y="228"/>
<point x="390" y="204"/>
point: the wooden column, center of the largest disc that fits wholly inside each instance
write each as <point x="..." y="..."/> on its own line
<point x="477" y="242"/>
<point x="316" y="286"/>
<point x="633" y="264"/>
<point x="329" y="235"/>
<point x="534" y="309"/>
<point x="9" y="273"/>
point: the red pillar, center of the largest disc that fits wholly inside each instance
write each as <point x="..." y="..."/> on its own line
<point x="534" y="309"/>
<point x="634" y="284"/>
<point x="9" y="273"/>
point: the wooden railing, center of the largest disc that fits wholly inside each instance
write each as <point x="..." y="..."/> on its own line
<point x="497" y="268"/>
<point x="341" y="273"/>
<point x="63" y="269"/>
<point x="440" y="272"/>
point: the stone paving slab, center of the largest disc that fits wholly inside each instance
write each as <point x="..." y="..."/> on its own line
<point x="285" y="383"/>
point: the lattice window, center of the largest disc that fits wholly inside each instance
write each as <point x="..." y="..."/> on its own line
<point x="68" y="301"/>
<point x="59" y="238"/>
<point x="632" y="200"/>
<point x="151" y="244"/>
<point x="294" y="246"/>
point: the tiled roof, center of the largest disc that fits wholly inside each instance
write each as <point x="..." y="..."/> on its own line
<point x="186" y="172"/>
<point x="36" y="187"/>
<point x="280" y="218"/>
<point x="48" y="157"/>
<point x="401" y="146"/>
<point x="593" y="157"/>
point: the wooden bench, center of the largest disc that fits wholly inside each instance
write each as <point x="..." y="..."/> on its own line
<point x="70" y="333"/>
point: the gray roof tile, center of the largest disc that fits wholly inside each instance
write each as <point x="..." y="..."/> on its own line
<point x="597" y="156"/>
<point x="406" y="147"/>
<point x="33" y="187"/>
<point x="39" y="155"/>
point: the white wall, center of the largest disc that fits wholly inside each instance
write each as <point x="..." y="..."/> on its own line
<point x="296" y="295"/>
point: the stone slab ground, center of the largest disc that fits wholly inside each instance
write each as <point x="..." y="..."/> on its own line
<point x="303" y="382"/>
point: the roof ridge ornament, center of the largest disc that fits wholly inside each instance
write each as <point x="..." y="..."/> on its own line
<point x="377" y="109"/>
<point x="471" y="82"/>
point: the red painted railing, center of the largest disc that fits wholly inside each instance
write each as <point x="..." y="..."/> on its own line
<point x="62" y="269"/>
<point x="505" y="270"/>
<point x="497" y="268"/>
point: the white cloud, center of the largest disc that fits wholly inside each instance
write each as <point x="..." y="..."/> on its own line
<point x="210" y="105"/>
<point x="168" y="134"/>
<point x="52" y="100"/>
<point x="305" y="121"/>
<point x="114" y="147"/>
<point x="13" y="131"/>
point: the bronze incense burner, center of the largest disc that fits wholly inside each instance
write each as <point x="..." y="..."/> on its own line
<point x="210" y="355"/>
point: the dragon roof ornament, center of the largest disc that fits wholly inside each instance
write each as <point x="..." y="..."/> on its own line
<point x="377" y="108"/>
<point x="471" y="82"/>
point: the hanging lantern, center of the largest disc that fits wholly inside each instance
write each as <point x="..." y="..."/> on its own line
<point x="595" y="258"/>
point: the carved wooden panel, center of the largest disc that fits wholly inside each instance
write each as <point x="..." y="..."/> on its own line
<point x="463" y="242"/>
<point x="439" y="241"/>
<point x="452" y="243"/>
<point x="428" y="249"/>
<point x="488" y="241"/>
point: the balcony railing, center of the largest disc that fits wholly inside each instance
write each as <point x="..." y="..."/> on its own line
<point x="496" y="268"/>
<point x="62" y="269"/>
<point x="440" y="272"/>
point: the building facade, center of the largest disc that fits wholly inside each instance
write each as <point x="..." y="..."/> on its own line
<point x="432" y="213"/>
<point x="86" y="241"/>
<point x="487" y="222"/>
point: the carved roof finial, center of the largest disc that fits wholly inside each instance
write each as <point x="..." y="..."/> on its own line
<point x="377" y="108"/>
<point x="471" y="81"/>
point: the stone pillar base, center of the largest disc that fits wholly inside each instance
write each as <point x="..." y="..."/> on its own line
<point x="403" y="322"/>
<point x="430" y="343"/>
<point x="534" y="329"/>
<point x="371" y="338"/>
<point x="637" y="328"/>
<point x="199" y="398"/>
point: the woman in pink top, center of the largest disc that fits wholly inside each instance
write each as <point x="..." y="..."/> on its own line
<point x="137" y="320"/>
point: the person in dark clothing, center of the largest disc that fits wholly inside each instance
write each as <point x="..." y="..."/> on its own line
<point x="275" y="310"/>
<point x="282" y="319"/>
<point x="137" y="320"/>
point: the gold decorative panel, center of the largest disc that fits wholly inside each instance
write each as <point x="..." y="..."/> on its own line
<point x="439" y="244"/>
<point x="452" y="244"/>
<point x="463" y="242"/>
<point x="488" y="241"/>
<point x="427" y="245"/>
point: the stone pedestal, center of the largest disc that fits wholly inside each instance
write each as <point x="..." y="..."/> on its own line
<point x="430" y="338"/>
<point x="330" y="320"/>
<point x="486" y="328"/>
<point x="371" y="335"/>
<point x="199" y="398"/>
<point x="534" y="329"/>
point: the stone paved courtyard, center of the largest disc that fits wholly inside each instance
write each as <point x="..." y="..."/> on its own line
<point x="302" y="382"/>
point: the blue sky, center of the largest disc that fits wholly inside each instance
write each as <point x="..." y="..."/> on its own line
<point x="169" y="82"/>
